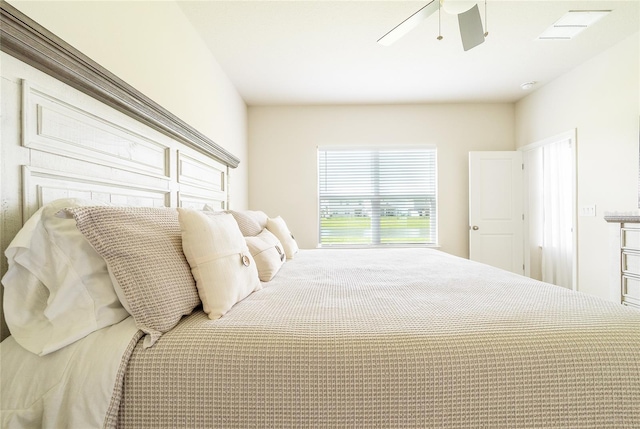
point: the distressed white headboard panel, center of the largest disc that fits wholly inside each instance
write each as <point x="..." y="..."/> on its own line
<point x="91" y="151"/>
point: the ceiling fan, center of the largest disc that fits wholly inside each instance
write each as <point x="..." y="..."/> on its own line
<point x="469" y="21"/>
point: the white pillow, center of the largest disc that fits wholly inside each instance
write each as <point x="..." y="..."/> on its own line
<point x="210" y="208"/>
<point x="279" y="228"/>
<point x="220" y="261"/>
<point x="57" y="287"/>
<point x="268" y="253"/>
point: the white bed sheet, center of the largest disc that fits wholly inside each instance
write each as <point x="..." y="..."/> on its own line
<point x="69" y="388"/>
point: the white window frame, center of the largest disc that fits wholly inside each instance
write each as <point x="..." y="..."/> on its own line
<point x="375" y="225"/>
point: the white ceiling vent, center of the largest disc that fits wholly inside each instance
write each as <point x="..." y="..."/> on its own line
<point x="572" y="23"/>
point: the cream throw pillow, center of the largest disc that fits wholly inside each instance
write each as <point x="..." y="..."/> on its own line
<point x="279" y="228"/>
<point x="220" y="261"/>
<point x="268" y="253"/>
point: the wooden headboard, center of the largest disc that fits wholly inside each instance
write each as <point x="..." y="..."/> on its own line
<point x="70" y="128"/>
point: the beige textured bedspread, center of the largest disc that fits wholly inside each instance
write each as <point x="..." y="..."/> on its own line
<point x="393" y="338"/>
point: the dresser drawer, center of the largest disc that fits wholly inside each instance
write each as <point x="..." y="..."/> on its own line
<point x="630" y="262"/>
<point x="630" y="238"/>
<point x="631" y="288"/>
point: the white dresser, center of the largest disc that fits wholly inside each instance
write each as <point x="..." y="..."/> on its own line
<point x="625" y="243"/>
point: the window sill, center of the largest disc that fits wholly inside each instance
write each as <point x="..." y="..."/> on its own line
<point x="375" y="246"/>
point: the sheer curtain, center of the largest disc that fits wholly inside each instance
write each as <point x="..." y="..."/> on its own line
<point x="557" y="240"/>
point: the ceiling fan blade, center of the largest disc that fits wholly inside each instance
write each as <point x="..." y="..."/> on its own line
<point x="471" y="30"/>
<point x="409" y="24"/>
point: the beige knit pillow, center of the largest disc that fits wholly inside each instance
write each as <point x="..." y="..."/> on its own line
<point x="251" y="222"/>
<point x="220" y="261"/>
<point x="268" y="253"/>
<point x="143" y="250"/>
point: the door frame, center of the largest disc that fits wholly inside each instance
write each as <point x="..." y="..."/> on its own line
<point x="570" y="135"/>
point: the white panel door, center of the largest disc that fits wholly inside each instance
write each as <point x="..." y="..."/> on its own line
<point x="495" y="209"/>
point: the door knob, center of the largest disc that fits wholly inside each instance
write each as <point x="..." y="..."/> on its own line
<point x="475" y="227"/>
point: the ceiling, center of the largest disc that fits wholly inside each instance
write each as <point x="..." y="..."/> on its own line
<point x="325" y="52"/>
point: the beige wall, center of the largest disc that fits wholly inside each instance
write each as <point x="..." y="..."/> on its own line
<point x="283" y="143"/>
<point x="152" y="46"/>
<point x="600" y="98"/>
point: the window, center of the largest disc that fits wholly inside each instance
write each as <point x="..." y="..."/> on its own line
<point x="377" y="196"/>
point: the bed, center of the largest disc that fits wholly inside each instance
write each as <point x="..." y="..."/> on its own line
<point x="354" y="338"/>
<point x="137" y="297"/>
<point x="394" y="338"/>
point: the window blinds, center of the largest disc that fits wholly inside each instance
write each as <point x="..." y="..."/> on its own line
<point x="378" y="196"/>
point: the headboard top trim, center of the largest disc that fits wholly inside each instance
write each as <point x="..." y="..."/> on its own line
<point x="33" y="44"/>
